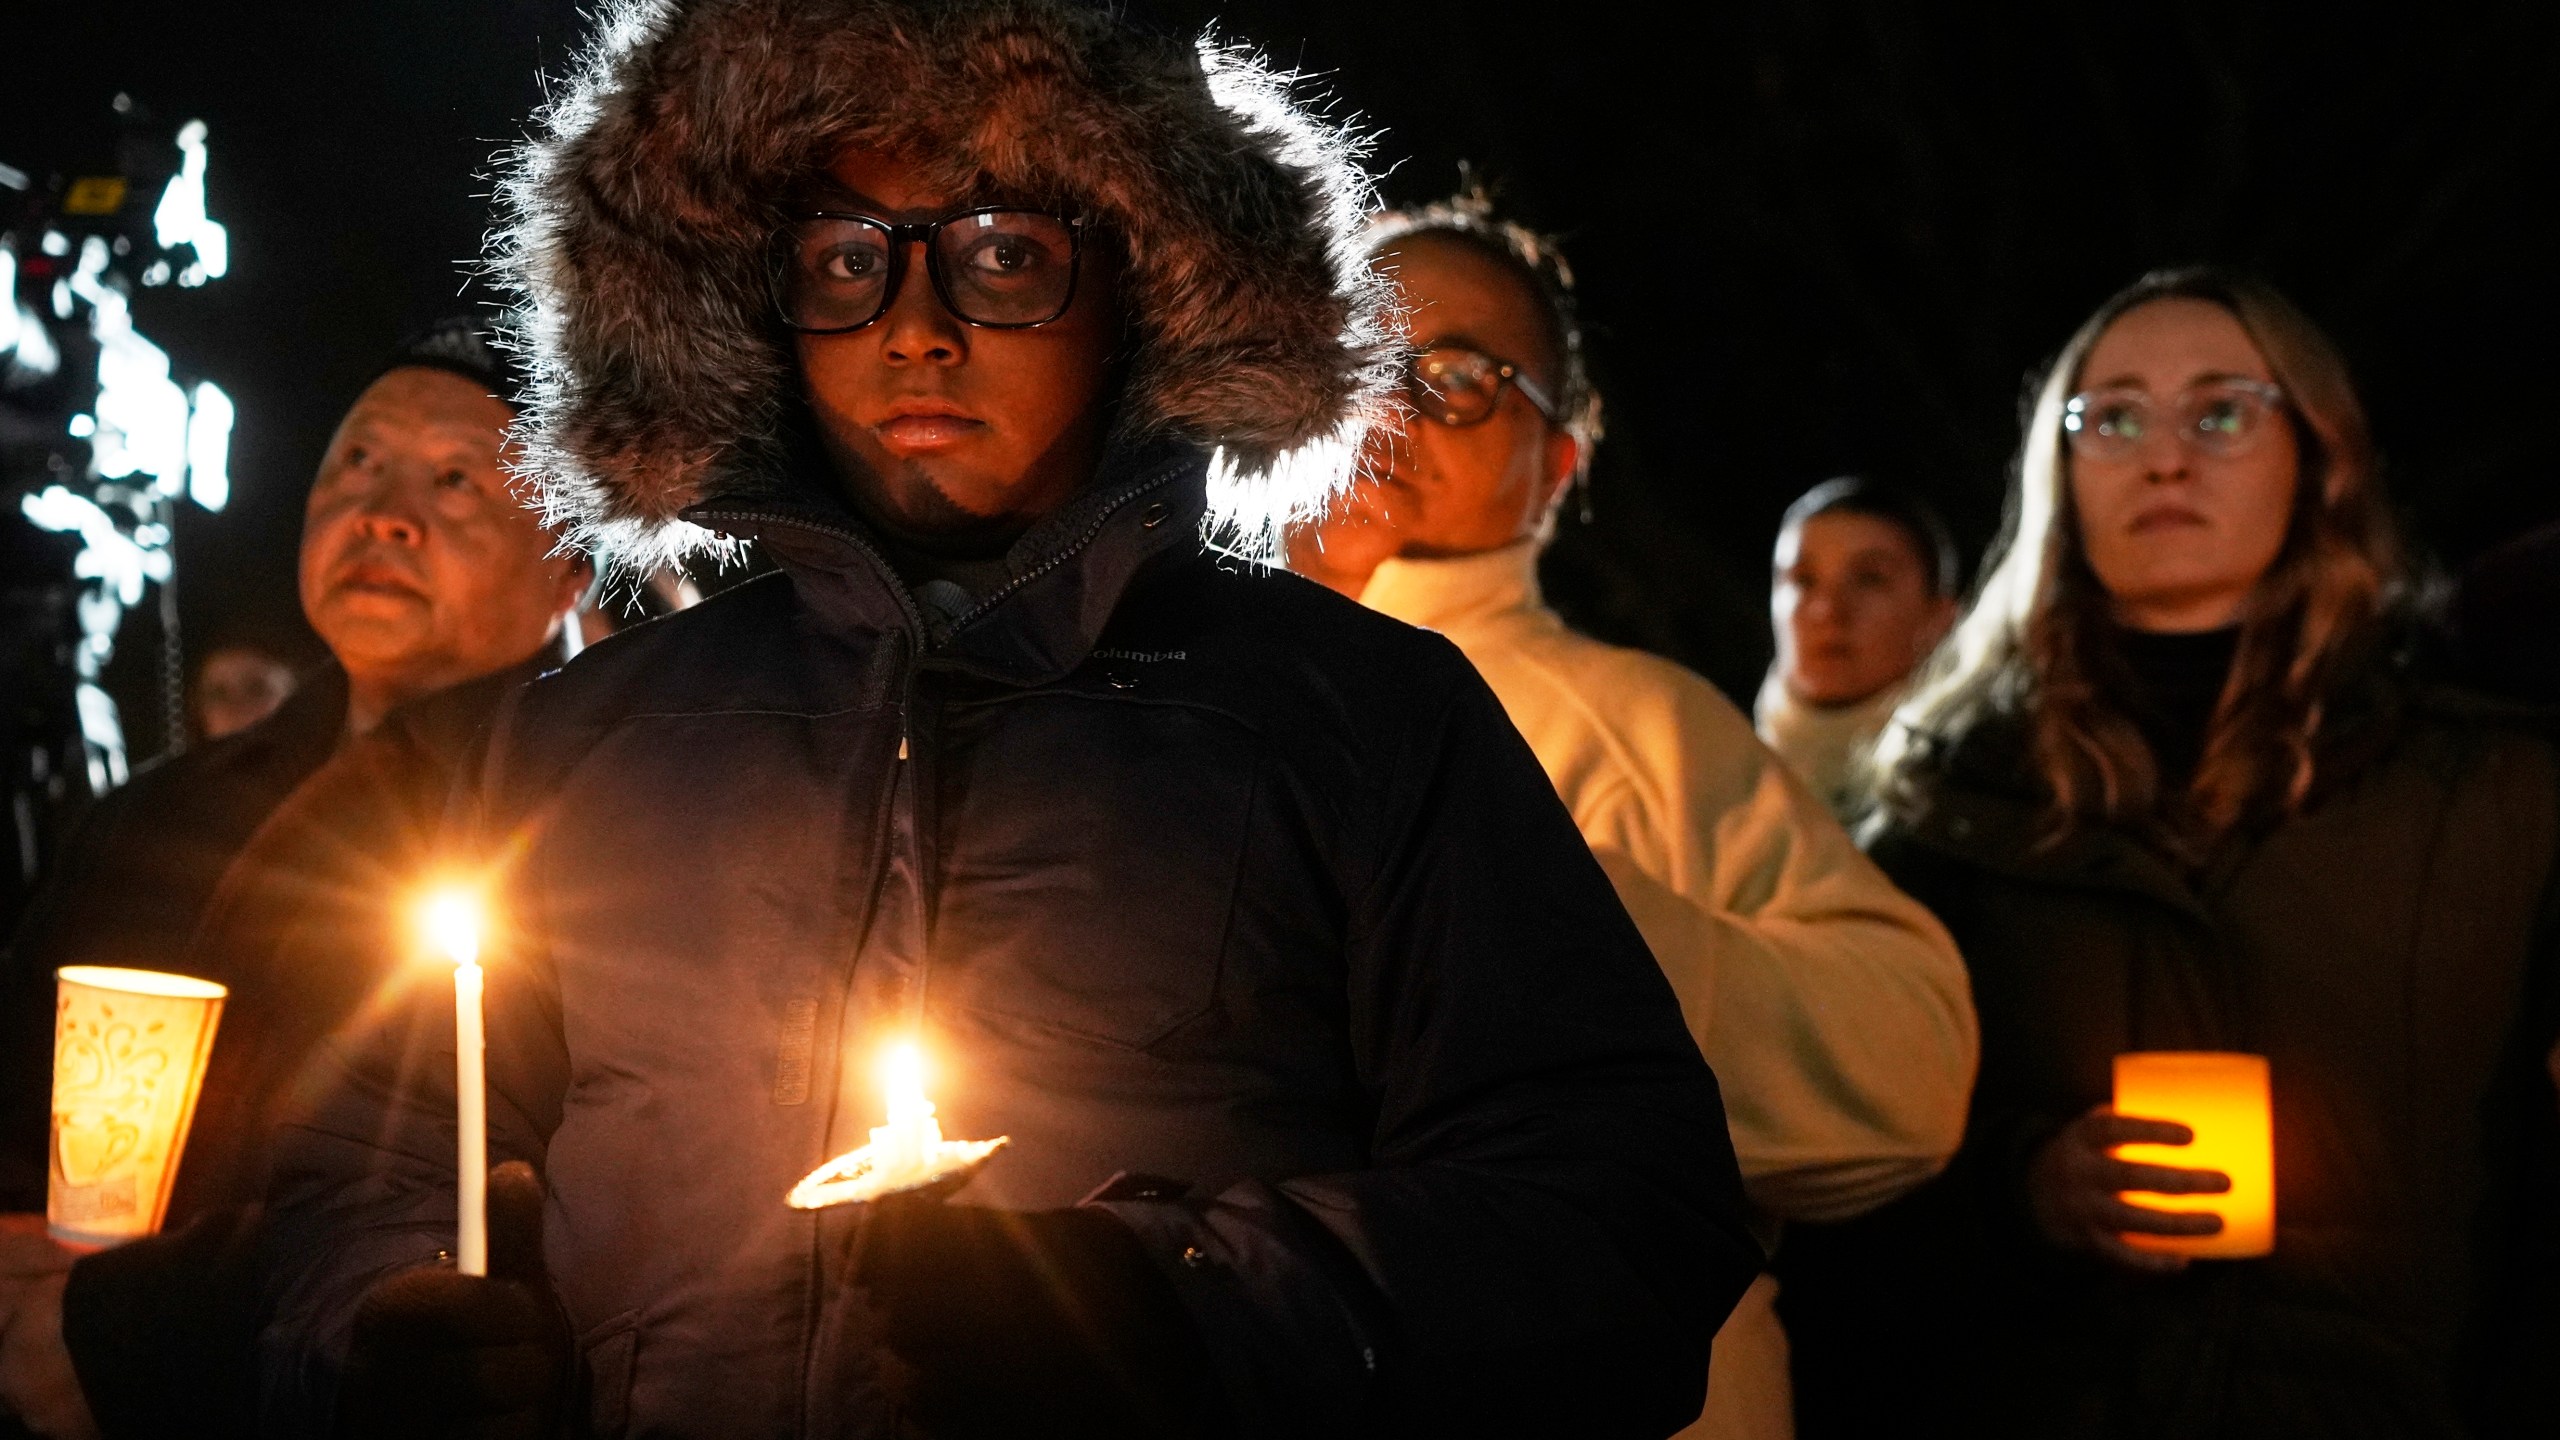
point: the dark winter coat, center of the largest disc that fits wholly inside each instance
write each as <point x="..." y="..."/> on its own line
<point x="302" y="926"/>
<point x="2503" y="638"/>
<point x="2392" y="951"/>
<point x="1184" y="868"/>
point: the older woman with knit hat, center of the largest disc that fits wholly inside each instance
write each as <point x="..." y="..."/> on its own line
<point x="1342" y="1095"/>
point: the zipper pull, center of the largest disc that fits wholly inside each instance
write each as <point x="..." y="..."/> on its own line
<point x="902" y="745"/>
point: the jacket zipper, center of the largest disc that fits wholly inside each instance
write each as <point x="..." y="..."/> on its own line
<point x="897" y="588"/>
<point x="917" y="633"/>
<point x="993" y="598"/>
<point x="1064" y="553"/>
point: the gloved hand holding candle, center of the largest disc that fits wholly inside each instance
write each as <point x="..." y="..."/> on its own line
<point x="439" y="1353"/>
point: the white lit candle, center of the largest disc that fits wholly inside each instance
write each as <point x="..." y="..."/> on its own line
<point x="912" y="1132"/>
<point x="907" y="1153"/>
<point x="453" y="927"/>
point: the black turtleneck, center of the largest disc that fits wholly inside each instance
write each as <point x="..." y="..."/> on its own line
<point x="2167" y="685"/>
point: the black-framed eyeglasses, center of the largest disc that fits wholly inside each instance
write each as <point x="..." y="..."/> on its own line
<point x="995" y="266"/>
<point x="1460" y="385"/>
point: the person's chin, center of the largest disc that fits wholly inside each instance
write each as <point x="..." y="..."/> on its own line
<point x="1827" y="690"/>
<point x="372" y="628"/>
<point x="2177" y="581"/>
<point x="944" y="501"/>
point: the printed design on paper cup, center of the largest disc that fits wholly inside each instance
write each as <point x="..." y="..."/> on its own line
<point x="129" y="1052"/>
<point x="109" y="1078"/>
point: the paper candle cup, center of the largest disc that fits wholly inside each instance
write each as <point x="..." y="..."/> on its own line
<point x="2223" y="1098"/>
<point x="129" y="1051"/>
<point x="906" y="1154"/>
<point x="858" y="1176"/>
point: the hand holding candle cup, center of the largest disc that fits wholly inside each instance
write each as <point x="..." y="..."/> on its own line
<point x="2077" y="1189"/>
<point x="2179" y="1167"/>
<point x="2221" y="1100"/>
<point x="38" y="1383"/>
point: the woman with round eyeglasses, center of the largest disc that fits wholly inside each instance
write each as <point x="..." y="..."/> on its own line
<point x="2170" y="789"/>
<point x="1831" y="1006"/>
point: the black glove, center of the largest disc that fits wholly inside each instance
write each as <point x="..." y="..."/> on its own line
<point x="441" y="1354"/>
<point x="1050" y="1323"/>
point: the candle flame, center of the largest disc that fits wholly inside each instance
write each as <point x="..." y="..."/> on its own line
<point x="902" y="1083"/>
<point x="451" y="922"/>
<point x="905" y="1154"/>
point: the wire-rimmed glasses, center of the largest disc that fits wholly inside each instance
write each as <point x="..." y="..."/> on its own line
<point x="2222" y="418"/>
<point x="1460" y="385"/>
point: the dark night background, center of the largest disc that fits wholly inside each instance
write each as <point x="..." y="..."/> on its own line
<point x="1814" y="237"/>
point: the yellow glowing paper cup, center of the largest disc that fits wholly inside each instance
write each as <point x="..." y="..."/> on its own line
<point x="2223" y="1098"/>
<point x="129" y="1051"/>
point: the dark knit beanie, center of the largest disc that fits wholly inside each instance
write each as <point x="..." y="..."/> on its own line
<point x="461" y="345"/>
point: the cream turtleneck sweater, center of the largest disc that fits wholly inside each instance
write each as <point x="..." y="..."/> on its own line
<point x="1826" y="745"/>
<point x="1834" y="1008"/>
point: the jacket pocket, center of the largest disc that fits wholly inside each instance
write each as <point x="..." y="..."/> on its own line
<point x="1090" y="851"/>
<point x="606" y="1354"/>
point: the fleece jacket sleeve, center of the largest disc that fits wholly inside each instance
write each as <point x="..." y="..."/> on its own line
<point x="1834" y="1007"/>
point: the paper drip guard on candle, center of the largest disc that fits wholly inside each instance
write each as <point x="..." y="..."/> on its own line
<point x="2223" y="1097"/>
<point x="129" y="1051"/>
<point x="908" y="1153"/>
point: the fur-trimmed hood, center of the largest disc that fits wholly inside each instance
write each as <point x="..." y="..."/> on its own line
<point x="636" y="223"/>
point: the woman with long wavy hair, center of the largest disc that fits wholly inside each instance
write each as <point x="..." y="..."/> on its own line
<point x="2171" y="789"/>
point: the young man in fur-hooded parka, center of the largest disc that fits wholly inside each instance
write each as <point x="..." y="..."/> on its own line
<point x="1342" y="1096"/>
